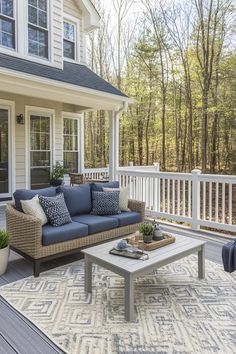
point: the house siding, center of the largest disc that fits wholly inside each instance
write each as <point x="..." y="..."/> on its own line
<point x="20" y="130"/>
<point x="57" y="33"/>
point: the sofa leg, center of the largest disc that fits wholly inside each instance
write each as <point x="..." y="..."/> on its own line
<point x="36" y="269"/>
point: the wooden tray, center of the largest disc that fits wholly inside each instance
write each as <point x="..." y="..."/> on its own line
<point x="154" y="244"/>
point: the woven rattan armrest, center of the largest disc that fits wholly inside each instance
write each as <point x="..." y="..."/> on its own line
<point x="138" y="206"/>
<point x="25" y="231"/>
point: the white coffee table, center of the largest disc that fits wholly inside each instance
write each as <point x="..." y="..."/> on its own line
<point x="130" y="269"/>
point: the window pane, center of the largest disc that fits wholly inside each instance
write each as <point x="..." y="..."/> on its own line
<point x="33" y="15"/>
<point x="45" y="124"/>
<point x="76" y="127"/>
<point x="42" y="4"/>
<point x="71" y="161"/>
<point x="34" y="124"/>
<point x="42" y="19"/>
<point x="33" y="2"/>
<point x="40" y="177"/>
<point x="35" y="141"/>
<point x="69" y="31"/>
<point x="38" y="42"/>
<point x="7" y="35"/>
<point x="7" y="7"/>
<point x="67" y="143"/>
<point x="69" y="49"/>
<point x="40" y="158"/>
<point x="66" y="126"/>
<point x="45" y="141"/>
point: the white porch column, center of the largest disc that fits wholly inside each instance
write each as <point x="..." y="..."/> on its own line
<point x="81" y="143"/>
<point x="113" y="144"/>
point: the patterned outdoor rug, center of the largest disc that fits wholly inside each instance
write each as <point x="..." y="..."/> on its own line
<point x="175" y="312"/>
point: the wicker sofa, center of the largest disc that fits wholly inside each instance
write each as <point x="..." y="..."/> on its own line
<point x="28" y="235"/>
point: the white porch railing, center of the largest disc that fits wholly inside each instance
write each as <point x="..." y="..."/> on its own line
<point x="96" y="173"/>
<point x="194" y="198"/>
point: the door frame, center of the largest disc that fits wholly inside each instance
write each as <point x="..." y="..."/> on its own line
<point x="29" y="110"/>
<point x="10" y="107"/>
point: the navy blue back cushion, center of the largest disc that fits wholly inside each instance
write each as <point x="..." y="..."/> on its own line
<point x="27" y="194"/>
<point x="98" y="187"/>
<point x="78" y="199"/>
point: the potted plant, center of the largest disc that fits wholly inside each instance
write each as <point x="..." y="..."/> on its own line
<point x="57" y="175"/>
<point x="146" y="229"/>
<point x="4" y="250"/>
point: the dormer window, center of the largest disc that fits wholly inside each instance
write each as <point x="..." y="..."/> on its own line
<point x="7" y="24"/>
<point x="38" y="28"/>
<point x="69" y="40"/>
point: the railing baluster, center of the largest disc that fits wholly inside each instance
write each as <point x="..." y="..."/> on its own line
<point x="210" y="201"/>
<point x="183" y="198"/>
<point x="204" y="201"/>
<point x="223" y="203"/>
<point x="173" y="196"/>
<point x="189" y="198"/>
<point x="178" y="197"/>
<point x="217" y="203"/>
<point x="230" y="204"/>
<point x="163" y="196"/>
<point x="168" y="196"/>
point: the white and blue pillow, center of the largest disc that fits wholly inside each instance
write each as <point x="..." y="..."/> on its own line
<point x="105" y="203"/>
<point x="55" y="209"/>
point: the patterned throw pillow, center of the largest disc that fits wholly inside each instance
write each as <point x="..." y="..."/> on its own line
<point x="123" y="198"/>
<point x="105" y="203"/>
<point x="32" y="207"/>
<point x="55" y="209"/>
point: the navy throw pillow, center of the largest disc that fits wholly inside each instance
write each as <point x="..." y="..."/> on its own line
<point x="27" y="194"/>
<point x="105" y="203"/>
<point x="78" y="199"/>
<point x="98" y="187"/>
<point x="55" y="209"/>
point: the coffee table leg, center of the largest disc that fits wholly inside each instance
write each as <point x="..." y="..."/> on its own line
<point x="87" y="275"/>
<point x="129" y="298"/>
<point x="201" y="263"/>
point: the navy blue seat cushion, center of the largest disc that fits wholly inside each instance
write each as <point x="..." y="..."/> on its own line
<point x="78" y="199"/>
<point x="98" y="187"/>
<point x="63" y="233"/>
<point x="96" y="223"/>
<point x="127" y="218"/>
<point x="27" y="194"/>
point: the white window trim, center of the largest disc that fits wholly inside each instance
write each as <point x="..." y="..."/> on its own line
<point x="29" y="110"/>
<point x="76" y="22"/>
<point x="49" y="30"/>
<point x="15" y="18"/>
<point x="10" y="106"/>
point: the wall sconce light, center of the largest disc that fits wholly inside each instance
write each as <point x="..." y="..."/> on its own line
<point x="20" y="119"/>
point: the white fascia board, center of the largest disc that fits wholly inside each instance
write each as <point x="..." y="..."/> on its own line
<point x="59" y="84"/>
<point x="90" y="15"/>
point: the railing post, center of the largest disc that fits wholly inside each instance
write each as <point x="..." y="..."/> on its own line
<point x="195" y="199"/>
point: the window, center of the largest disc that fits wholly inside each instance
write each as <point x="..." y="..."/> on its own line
<point x="70" y="135"/>
<point x="69" y="40"/>
<point x="40" y="151"/>
<point x="7" y="24"/>
<point x="38" y="28"/>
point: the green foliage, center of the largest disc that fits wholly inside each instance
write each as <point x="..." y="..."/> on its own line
<point x="58" y="171"/>
<point x="146" y="228"/>
<point x="4" y="239"/>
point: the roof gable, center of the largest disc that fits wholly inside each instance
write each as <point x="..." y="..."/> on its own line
<point x="91" y="15"/>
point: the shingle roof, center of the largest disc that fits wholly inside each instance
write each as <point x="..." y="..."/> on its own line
<point x="72" y="73"/>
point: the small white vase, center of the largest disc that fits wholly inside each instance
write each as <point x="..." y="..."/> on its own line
<point x="4" y="255"/>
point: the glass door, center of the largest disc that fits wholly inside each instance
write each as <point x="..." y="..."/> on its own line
<point x="40" y="151"/>
<point x="4" y="154"/>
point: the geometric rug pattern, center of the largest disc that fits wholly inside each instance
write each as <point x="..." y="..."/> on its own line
<point x="175" y="312"/>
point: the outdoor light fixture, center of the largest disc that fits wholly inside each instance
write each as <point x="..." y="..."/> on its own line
<point x="20" y="119"/>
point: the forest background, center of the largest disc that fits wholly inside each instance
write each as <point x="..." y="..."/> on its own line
<point x="177" y="60"/>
